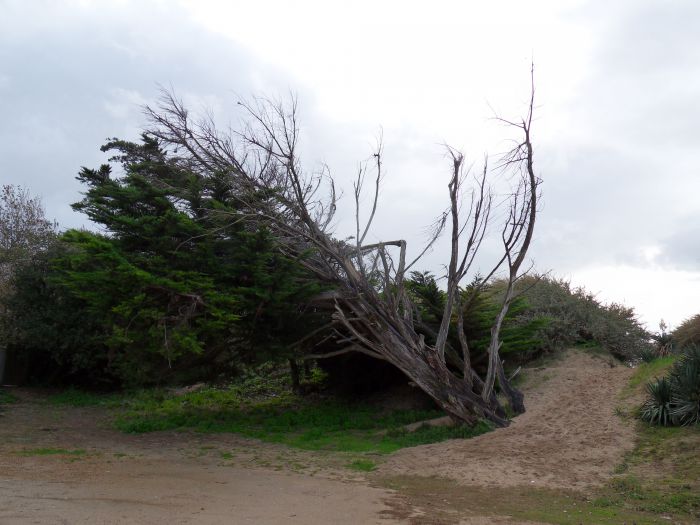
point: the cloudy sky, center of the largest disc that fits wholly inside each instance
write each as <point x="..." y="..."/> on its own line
<point x="617" y="135"/>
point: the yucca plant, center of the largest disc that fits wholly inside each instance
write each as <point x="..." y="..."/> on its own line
<point x="685" y="386"/>
<point x="648" y="354"/>
<point x="657" y="408"/>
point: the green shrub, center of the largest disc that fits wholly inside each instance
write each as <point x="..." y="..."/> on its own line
<point x="577" y="317"/>
<point x="687" y="333"/>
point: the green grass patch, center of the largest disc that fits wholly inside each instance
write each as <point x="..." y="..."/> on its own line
<point x="662" y="496"/>
<point x="262" y="406"/>
<point x="661" y="474"/>
<point x="645" y="372"/>
<point x="540" y="505"/>
<point x="81" y="398"/>
<point x="362" y="465"/>
<point x="297" y="422"/>
<point x="52" y="452"/>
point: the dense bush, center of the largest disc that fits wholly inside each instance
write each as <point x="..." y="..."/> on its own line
<point x="685" y="387"/>
<point x="687" y="333"/>
<point x="548" y="315"/>
<point x="482" y="302"/>
<point x="578" y="317"/>
<point x="182" y="286"/>
<point x="675" y="399"/>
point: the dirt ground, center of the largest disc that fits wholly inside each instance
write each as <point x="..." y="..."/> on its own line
<point x="569" y="438"/>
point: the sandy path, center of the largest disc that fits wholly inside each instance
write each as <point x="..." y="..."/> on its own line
<point x="132" y="492"/>
<point x="569" y="438"/>
<point x="166" y="477"/>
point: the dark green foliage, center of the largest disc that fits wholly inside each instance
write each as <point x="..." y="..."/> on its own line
<point x="657" y="408"/>
<point x="51" y="335"/>
<point x="648" y="354"/>
<point x="153" y="315"/>
<point x="685" y="380"/>
<point x="182" y="287"/>
<point x="687" y="333"/>
<point x="519" y="333"/>
<point x="547" y="315"/>
<point x="675" y="399"/>
<point x="576" y="317"/>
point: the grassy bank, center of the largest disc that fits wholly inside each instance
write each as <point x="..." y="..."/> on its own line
<point x="662" y="473"/>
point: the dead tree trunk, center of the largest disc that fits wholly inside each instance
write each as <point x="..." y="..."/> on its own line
<point x="374" y="313"/>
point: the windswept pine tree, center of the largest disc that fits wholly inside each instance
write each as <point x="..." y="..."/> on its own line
<point x="175" y="286"/>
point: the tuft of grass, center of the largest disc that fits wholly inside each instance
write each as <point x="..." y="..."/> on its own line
<point x="362" y="465"/>
<point x="82" y="398"/>
<point x="51" y="452"/>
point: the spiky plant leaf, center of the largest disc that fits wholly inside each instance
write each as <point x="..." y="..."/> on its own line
<point x="685" y="386"/>
<point x="657" y="408"/>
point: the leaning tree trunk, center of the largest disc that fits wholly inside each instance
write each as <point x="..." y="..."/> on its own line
<point x="374" y="314"/>
<point x="383" y="335"/>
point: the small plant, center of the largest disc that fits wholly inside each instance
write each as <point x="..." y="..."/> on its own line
<point x="657" y="408"/>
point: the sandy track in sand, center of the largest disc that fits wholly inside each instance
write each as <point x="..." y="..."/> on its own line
<point x="569" y="437"/>
<point x="156" y="492"/>
<point x="168" y="478"/>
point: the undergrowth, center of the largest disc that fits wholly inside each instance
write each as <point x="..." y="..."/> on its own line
<point x="322" y="424"/>
<point x="262" y="406"/>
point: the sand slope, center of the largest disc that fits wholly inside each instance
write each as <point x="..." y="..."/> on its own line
<point x="569" y="436"/>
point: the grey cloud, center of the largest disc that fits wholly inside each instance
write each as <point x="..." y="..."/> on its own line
<point x="72" y="84"/>
<point x="681" y="249"/>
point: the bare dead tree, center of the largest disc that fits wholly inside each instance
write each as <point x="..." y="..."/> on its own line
<point x="373" y="311"/>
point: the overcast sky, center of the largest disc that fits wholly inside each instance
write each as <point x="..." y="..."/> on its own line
<point x="617" y="135"/>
